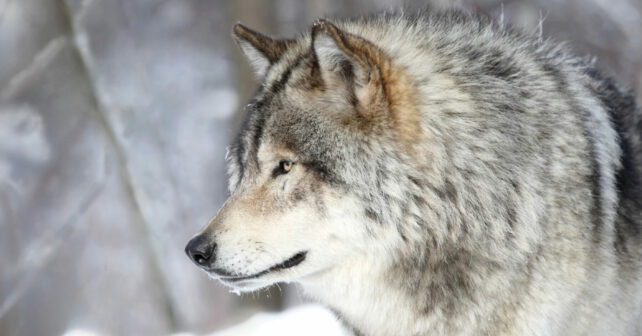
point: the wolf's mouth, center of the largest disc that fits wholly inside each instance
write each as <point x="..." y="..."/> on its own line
<point x="293" y="261"/>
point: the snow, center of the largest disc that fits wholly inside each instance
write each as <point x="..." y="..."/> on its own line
<point x="309" y="320"/>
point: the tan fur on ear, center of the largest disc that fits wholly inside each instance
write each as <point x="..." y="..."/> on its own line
<point x="387" y="93"/>
<point x="272" y="49"/>
<point x="261" y="50"/>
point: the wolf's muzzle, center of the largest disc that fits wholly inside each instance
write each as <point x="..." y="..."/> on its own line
<point x="202" y="251"/>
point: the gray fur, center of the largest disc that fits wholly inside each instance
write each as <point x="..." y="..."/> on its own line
<point x="517" y="212"/>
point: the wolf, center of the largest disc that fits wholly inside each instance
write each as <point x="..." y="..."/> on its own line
<point x="436" y="174"/>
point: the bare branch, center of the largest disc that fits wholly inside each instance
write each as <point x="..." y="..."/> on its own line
<point x="81" y="46"/>
<point x="42" y="59"/>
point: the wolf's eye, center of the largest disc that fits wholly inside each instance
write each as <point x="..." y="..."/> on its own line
<point x="284" y="167"/>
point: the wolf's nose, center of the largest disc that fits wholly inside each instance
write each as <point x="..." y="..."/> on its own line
<point x="202" y="251"/>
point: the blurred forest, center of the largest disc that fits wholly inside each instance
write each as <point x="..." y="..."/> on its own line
<point x="114" y="121"/>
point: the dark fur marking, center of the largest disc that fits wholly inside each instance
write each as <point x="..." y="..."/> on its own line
<point x="450" y="191"/>
<point x="314" y="78"/>
<point x="515" y="186"/>
<point x="450" y="285"/>
<point x="279" y="85"/>
<point x="298" y="195"/>
<point x="320" y="168"/>
<point x="258" y="127"/>
<point x="370" y="213"/>
<point x="594" y="178"/>
<point x="247" y="127"/>
<point x="258" y="115"/>
<point x="511" y="215"/>
<point x="525" y="94"/>
<point x="627" y="120"/>
<point x="438" y="192"/>
<point x="473" y="53"/>
<point x="419" y="201"/>
<point x="415" y="181"/>
<point x="239" y="147"/>
<point x="500" y="66"/>
<point x="346" y="70"/>
<point x="401" y="234"/>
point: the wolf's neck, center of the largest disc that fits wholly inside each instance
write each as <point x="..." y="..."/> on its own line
<point x="420" y="299"/>
<point x="365" y="300"/>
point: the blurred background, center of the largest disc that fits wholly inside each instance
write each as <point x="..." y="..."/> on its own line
<point x="114" y="121"/>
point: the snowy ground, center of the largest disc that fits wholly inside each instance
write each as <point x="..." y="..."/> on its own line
<point x="309" y="320"/>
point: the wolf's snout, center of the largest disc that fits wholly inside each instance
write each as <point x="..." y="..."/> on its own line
<point x="202" y="251"/>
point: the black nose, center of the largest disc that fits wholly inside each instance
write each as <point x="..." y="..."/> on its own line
<point x="202" y="251"/>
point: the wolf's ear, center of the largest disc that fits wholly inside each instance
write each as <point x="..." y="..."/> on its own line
<point x="351" y="58"/>
<point x="261" y="50"/>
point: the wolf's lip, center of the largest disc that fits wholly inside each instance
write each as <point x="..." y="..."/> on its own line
<point x="293" y="261"/>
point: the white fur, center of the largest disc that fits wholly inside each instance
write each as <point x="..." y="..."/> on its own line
<point x="257" y="60"/>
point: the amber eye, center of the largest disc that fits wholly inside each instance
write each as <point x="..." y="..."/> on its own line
<point x="284" y="167"/>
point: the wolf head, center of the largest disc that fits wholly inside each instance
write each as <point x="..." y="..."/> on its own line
<point x="313" y="171"/>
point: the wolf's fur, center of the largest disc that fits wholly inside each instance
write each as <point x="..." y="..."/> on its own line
<point x="451" y="177"/>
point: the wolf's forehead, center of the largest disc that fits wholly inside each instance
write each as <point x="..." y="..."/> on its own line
<point x="279" y="131"/>
<point x="272" y="101"/>
<point x="292" y="58"/>
<point x="271" y="126"/>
